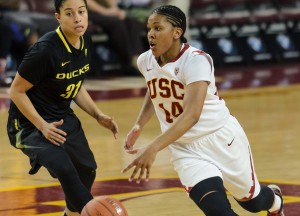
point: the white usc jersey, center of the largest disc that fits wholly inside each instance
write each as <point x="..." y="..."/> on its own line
<point x="167" y="84"/>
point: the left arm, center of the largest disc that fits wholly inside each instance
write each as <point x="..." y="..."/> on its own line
<point x="85" y="102"/>
<point x="192" y="107"/>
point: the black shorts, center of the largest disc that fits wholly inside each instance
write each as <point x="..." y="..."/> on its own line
<point x="25" y="136"/>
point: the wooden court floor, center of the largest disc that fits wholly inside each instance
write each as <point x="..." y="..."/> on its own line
<point x="269" y="115"/>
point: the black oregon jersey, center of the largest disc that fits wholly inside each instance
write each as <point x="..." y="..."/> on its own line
<point x="56" y="70"/>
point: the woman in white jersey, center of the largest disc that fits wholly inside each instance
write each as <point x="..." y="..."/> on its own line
<point x="209" y="148"/>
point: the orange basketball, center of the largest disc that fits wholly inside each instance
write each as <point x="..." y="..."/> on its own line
<point x="104" y="206"/>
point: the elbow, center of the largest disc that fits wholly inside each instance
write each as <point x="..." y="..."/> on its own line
<point x="13" y="95"/>
<point x="10" y="93"/>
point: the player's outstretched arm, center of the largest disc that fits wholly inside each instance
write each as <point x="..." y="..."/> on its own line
<point x="193" y="104"/>
<point x="86" y="103"/>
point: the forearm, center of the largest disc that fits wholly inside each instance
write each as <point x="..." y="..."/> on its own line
<point x="183" y="123"/>
<point x="146" y="112"/>
<point x="24" y="104"/>
<point x="86" y="103"/>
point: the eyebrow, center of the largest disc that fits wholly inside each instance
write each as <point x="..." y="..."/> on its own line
<point x="72" y="8"/>
<point x="156" y="22"/>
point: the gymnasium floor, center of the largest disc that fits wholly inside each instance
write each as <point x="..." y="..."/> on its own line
<point x="265" y="100"/>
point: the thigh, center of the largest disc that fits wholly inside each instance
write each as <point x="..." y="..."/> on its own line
<point x="76" y="144"/>
<point x="225" y="153"/>
<point x="25" y="136"/>
<point x="191" y="166"/>
<point x="232" y="154"/>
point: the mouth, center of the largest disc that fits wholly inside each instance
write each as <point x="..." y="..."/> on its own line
<point x="152" y="45"/>
<point x="79" y="28"/>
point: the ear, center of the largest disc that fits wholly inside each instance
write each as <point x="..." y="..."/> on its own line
<point x="57" y="16"/>
<point x="177" y="33"/>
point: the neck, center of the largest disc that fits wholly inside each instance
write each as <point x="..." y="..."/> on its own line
<point x="73" y="40"/>
<point x="170" y="55"/>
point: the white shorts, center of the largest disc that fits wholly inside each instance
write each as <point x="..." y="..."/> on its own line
<point x="225" y="153"/>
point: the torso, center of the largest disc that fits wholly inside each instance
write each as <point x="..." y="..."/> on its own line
<point x="167" y="84"/>
<point x="57" y="71"/>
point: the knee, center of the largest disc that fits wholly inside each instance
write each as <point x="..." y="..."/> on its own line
<point x="66" y="169"/>
<point x="57" y="162"/>
<point x="263" y="201"/>
<point x="252" y="205"/>
<point x="210" y="196"/>
<point x="87" y="176"/>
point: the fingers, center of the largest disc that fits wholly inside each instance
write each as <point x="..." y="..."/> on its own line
<point x="128" y="167"/>
<point x="54" y="134"/>
<point x="127" y="147"/>
<point x="132" y="136"/>
<point x="110" y="124"/>
<point x="132" y="151"/>
<point x="115" y="129"/>
<point x="58" y="138"/>
<point x="137" y="169"/>
<point x="54" y="142"/>
<point x="58" y="123"/>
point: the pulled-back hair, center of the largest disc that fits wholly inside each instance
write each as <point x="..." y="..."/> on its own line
<point x="175" y="16"/>
<point x="58" y="3"/>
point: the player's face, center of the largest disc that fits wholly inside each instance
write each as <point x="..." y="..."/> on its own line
<point x="73" y="18"/>
<point x="162" y="35"/>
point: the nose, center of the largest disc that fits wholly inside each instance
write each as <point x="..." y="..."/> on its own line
<point x="150" y="34"/>
<point x="77" y="18"/>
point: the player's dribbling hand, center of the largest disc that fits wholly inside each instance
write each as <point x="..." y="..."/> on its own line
<point x="53" y="133"/>
<point x="142" y="163"/>
<point x="132" y="136"/>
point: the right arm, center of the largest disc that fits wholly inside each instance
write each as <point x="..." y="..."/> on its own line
<point x="144" y="116"/>
<point x="17" y="93"/>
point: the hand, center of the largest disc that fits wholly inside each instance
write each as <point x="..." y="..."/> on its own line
<point x="142" y="163"/>
<point x="53" y="134"/>
<point x="109" y="123"/>
<point x="132" y="136"/>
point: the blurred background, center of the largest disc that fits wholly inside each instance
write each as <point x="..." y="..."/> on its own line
<point x="236" y="33"/>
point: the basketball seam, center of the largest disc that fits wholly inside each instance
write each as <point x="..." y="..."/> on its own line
<point x="87" y="211"/>
<point x="112" y="214"/>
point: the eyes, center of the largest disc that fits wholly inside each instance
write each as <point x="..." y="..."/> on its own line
<point x="155" y="28"/>
<point x="72" y="13"/>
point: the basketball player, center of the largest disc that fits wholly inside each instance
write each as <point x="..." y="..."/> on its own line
<point x="41" y="122"/>
<point x="209" y="148"/>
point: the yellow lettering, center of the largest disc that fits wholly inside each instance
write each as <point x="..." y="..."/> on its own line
<point x="73" y="74"/>
<point x="60" y="76"/>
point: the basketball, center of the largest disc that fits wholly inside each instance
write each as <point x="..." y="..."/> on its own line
<point x="104" y="206"/>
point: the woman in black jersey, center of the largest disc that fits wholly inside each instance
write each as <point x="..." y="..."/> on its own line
<point x="41" y="122"/>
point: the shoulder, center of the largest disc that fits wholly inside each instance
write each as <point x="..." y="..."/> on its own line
<point x="193" y="52"/>
<point x="144" y="57"/>
<point x="43" y="50"/>
<point x="196" y="55"/>
<point x="47" y="43"/>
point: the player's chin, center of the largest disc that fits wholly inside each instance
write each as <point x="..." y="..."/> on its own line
<point x="79" y="31"/>
<point x="156" y="54"/>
